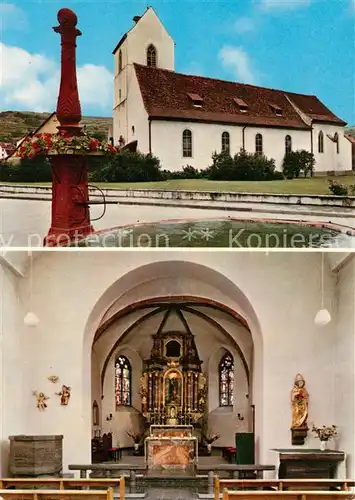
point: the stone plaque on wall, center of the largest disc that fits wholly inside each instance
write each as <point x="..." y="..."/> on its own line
<point x="36" y="455"/>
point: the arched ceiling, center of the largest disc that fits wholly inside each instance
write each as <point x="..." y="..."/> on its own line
<point x="166" y="307"/>
<point x="207" y="322"/>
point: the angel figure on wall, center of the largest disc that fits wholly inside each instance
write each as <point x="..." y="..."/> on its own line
<point x="299" y="401"/>
<point x="64" y="395"/>
<point x="41" y="400"/>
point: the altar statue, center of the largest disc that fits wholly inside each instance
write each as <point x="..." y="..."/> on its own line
<point x="299" y="402"/>
<point x="174" y="390"/>
<point x="144" y="392"/>
<point x="172" y="416"/>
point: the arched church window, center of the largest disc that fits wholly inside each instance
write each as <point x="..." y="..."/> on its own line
<point x="187" y="144"/>
<point x="259" y="144"/>
<point x="336" y="140"/>
<point x="123" y="376"/>
<point x="288" y="144"/>
<point x="320" y="142"/>
<point x="226" y="380"/>
<point x="173" y="349"/>
<point x="225" y="142"/>
<point x="95" y="414"/>
<point x="152" y="56"/>
<point x="120" y="60"/>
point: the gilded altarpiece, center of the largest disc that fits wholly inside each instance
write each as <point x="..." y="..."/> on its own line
<point x="173" y="387"/>
<point x="173" y="392"/>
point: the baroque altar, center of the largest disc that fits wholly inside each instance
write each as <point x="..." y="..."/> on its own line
<point x="173" y="388"/>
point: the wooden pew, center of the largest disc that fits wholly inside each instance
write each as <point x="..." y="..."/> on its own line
<point x="283" y="484"/>
<point x="287" y="495"/>
<point x="65" y="483"/>
<point x="56" y="494"/>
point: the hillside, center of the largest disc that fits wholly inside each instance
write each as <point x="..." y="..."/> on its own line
<point x="16" y="124"/>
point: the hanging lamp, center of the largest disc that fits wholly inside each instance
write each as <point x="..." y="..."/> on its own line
<point x="31" y="319"/>
<point x="323" y="317"/>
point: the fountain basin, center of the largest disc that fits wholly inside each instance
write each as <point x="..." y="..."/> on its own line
<point x="224" y="233"/>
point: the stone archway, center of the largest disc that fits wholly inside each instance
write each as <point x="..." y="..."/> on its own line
<point x="140" y="293"/>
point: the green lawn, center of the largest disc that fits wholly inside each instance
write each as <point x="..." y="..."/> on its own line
<point x="315" y="185"/>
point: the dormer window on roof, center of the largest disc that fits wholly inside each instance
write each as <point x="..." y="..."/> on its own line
<point x="276" y="109"/>
<point x="196" y="99"/>
<point x="242" y="105"/>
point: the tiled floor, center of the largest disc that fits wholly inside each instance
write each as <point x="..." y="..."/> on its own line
<point x="171" y="494"/>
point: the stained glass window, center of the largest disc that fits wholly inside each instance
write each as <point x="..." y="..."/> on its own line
<point x="123" y="373"/>
<point x="226" y="380"/>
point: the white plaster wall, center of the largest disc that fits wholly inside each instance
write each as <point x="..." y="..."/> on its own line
<point x="343" y="361"/>
<point x="167" y="142"/>
<point x="274" y="141"/>
<point x="130" y="112"/>
<point x="13" y="365"/>
<point x="280" y="296"/>
<point x="330" y="160"/>
<point x="207" y="138"/>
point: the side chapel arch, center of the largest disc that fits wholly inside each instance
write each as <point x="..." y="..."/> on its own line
<point x="242" y="309"/>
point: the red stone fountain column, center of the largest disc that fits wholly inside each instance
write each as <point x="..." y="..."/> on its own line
<point x="70" y="209"/>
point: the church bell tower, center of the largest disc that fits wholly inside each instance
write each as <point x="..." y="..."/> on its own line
<point x="147" y="43"/>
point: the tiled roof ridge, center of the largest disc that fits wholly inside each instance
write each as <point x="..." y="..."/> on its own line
<point x="223" y="81"/>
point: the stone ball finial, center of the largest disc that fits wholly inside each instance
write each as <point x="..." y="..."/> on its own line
<point x="67" y="17"/>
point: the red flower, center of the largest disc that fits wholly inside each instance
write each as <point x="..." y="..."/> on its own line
<point x="93" y="145"/>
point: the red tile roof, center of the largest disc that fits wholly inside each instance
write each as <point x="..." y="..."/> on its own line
<point x="314" y="108"/>
<point x="166" y="96"/>
<point x="8" y="146"/>
<point x="350" y="138"/>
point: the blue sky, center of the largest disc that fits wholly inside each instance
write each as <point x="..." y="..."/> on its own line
<point x="304" y="46"/>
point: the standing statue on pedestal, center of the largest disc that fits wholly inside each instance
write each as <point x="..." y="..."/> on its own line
<point x="299" y="403"/>
<point x="144" y="392"/>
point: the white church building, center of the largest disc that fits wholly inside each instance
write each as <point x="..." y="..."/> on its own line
<point x="258" y="307"/>
<point x="183" y="119"/>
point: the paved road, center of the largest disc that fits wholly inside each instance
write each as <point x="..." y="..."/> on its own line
<point x="25" y="222"/>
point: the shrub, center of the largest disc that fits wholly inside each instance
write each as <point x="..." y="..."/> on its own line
<point x="243" y="166"/>
<point x="340" y="189"/>
<point x="187" y="172"/>
<point x="129" y="167"/>
<point x="297" y="162"/>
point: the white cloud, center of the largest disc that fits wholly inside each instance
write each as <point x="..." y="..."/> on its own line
<point x="12" y="17"/>
<point x="31" y="82"/>
<point x="283" y="4"/>
<point x="237" y="61"/>
<point x="244" y="25"/>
